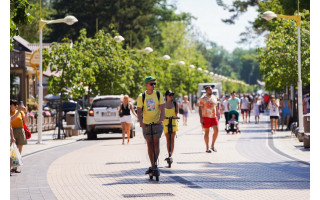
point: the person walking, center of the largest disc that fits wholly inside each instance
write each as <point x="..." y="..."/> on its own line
<point x="273" y="106"/>
<point x="244" y="105"/>
<point x="171" y="110"/>
<point x="234" y="102"/>
<point x="225" y="108"/>
<point x="150" y="105"/>
<point x="208" y="117"/>
<point x="255" y="109"/>
<point x="125" y="117"/>
<point x="286" y="111"/>
<point x="185" y="105"/>
<point x="17" y="127"/>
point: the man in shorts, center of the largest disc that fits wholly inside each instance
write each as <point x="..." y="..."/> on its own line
<point x="208" y="117"/>
<point x="152" y="110"/>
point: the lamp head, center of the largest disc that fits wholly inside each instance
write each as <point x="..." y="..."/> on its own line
<point x="118" y="38"/>
<point x="268" y="15"/>
<point x="70" y="20"/>
<point x="166" y="57"/>
<point x="148" y="50"/>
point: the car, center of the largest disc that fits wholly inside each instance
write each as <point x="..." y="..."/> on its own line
<point x="103" y="116"/>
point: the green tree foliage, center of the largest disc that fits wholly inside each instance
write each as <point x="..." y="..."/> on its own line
<point x="133" y="19"/>
<point x="278" y="61"/>
<point x="30" y="31"/>
<point x="18" y="16"/>
<point x="286" y="7"/>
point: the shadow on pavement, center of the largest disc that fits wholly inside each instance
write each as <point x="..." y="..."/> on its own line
<point x="238" y="176"/>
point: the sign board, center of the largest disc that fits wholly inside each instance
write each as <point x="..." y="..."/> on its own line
<point x="35" y="58"/>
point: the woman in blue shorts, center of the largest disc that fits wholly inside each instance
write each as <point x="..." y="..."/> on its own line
<point x="286" y="111"/>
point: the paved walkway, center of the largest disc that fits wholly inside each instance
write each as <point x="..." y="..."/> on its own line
<point x="246" y="166"/>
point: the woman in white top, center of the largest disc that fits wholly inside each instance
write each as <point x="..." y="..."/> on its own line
<point x="273" y="105"/>
<point x="185" y="105"/>
<point x="256" y="111"/>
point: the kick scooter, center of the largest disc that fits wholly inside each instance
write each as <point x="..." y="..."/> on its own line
<point x="154" y="171"/>
<point x="170" y="131"/>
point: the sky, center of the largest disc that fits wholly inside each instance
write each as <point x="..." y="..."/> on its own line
<point x="208" y="21"/>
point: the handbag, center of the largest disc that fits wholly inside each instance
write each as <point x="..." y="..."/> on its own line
<point x="26" y="131"/>
<point x="15" y="156"/>
<point x="181" y="111"/>
<point x="120" y="113"/>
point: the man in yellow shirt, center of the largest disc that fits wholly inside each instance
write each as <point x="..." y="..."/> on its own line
<point x="150" y="106"/>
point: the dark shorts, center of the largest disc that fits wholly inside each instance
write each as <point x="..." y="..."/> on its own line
<point x="274" y="117"/>
<point x="156" y="129"/>
<point x="210" y="122"/>
<point x="244" y="110"/>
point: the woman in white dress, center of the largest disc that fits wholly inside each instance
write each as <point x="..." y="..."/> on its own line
<point x="256" y="111"/>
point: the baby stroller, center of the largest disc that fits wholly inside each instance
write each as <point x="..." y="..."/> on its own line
<point x="232" y="127"/>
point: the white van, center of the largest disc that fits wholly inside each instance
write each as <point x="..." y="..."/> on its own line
<point x="103" y="116"/>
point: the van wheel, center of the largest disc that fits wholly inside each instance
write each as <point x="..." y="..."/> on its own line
<point x="91" y="135"/>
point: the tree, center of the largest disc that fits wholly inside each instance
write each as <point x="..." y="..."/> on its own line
<point x="278" y="61"/>
<point x="30" y="31"/>
<point x="62" y="60"/>
<point x="18" y="16"/>
<point x="134" y="20"/>
<point x="259" y="26"/>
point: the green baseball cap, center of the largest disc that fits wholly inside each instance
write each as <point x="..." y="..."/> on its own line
<point x="149" y="78"/>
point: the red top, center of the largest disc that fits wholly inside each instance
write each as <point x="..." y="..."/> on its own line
<point x="266" y="98"/>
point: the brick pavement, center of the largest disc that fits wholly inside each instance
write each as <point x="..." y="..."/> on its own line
<point x="48" y="142"/>
<point x="245" y="167"/>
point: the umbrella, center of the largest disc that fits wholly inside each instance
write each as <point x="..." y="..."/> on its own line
<point x="51" y="97"/>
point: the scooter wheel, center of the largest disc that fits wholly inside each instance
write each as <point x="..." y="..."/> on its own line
<point x="157" y="178"/>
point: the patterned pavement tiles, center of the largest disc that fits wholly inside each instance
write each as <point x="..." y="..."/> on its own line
<point x="243" y="168"/>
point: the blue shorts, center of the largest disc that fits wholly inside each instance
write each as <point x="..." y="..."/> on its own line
<point x="185" y="113"/>
<point x="285" y="113"/>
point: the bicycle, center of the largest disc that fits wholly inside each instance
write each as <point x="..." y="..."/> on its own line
<point x="170" y="131"/>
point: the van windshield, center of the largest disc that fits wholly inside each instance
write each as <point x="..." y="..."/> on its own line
<point x="110" y="103"/>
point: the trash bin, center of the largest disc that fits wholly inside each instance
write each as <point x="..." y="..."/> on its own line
<point x="306" y="123"/>
<point x="70" y="118"/>
<point x="83" y="118"/>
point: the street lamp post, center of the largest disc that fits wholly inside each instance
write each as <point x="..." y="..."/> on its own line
<point x="68" y="20"/>
<point x="269" y="15"/>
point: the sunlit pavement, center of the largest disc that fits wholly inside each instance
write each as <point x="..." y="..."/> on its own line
<point x="250" y="165"/>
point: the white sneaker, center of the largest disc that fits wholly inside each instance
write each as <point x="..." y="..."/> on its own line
<point x="272" y="131"/>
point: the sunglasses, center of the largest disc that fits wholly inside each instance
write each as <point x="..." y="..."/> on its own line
<point x="153" y="84"/>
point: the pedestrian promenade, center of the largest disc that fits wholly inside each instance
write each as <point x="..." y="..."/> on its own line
<point x="246" y="166"/>
<point x="48" y="142"/>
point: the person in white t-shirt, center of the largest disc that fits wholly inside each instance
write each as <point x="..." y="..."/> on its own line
<point x="273" y="106"/>
<point x="244" y="105"/>
<point x="225" y="108"/>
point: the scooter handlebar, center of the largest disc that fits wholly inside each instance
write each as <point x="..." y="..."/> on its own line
<point x="172" y="117"/>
